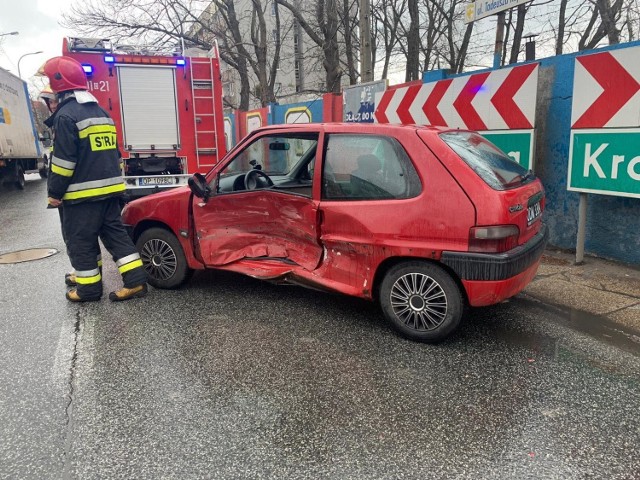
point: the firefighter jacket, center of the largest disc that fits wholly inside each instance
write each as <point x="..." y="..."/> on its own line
<point x="85" y="165"/>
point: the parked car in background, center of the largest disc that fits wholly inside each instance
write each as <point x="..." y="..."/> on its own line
<point x="423" y="220"/>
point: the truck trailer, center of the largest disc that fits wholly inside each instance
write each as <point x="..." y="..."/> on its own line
<point x="167" y="108"/>
<point x="21" y="150"/>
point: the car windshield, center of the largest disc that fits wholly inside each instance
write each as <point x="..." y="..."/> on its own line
<point x="496" y="168"/>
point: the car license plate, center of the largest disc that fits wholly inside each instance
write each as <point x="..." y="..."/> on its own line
<point x="165" y="180"/>
<point x="533" y="213"/>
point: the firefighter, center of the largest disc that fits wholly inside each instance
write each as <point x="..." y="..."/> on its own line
<point x="50" y="99"/>
<point x="86" y="179"/>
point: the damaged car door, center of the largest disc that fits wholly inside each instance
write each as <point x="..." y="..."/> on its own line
<point x="260" y="208"/>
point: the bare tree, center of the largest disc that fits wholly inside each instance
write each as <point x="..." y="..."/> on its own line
<point x="462" y="51"/>
<point x="609" y="15"/>
<point x="198" y="23"/>
<point x="413" y="42"/>
<point x="561" y="26"/>
<point x="385" y="32"/>
<point x="601" y="24"/>
<point x="349" y="20"/>
<point x="223" y="23"/>
<point x="266" y="74"/>
<point x="453" y="49"/>
<point x="325" y="36"/>
<point x="414" y="35"/>
<point x="517" y="34"/>
<point x="436" y="28"/>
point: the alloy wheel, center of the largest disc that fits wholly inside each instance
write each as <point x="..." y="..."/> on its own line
<point x="418" y="301"/>
<point x="159" y="259"/>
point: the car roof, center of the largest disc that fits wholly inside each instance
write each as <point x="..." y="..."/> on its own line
<point x="351" y="127"/>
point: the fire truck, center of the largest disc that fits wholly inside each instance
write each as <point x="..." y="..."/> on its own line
<point x="167" y="108"/>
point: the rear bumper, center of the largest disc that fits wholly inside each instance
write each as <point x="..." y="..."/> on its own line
<point x="491" y="278"/>
<point x="489" y="292"/>
<point x="497" y="266"/>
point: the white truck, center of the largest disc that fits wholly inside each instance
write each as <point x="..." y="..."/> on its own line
<point x="21" y="149"/>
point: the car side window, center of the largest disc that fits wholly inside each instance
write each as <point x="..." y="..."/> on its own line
<point x="283" y="162"/>
<point x="367" y="167"/>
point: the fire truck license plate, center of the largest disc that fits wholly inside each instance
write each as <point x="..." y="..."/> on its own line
<point x="145" y="181"/>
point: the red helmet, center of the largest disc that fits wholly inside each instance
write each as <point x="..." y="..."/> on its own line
<point x="65" y="74"/>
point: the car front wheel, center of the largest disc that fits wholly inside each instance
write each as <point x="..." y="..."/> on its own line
<point x="421" y="300"/>
<point x="163" y="258"/>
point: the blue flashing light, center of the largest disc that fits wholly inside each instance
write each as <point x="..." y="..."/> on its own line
<point x="109" y="59"/>
<point x="181" y="61"/>
<point x="88" y="69"/>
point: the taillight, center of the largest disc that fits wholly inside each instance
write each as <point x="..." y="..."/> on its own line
<point x="493" y="239"/>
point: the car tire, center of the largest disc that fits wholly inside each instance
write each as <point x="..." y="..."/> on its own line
<point x="163" y="258"/>
<point x="20" y="181"/>
<point x="421" y="300"/>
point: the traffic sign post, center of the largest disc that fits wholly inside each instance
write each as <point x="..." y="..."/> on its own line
<point x="605" y="135"/>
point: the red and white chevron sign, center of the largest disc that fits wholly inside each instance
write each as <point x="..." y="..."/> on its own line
<point x="498" y="100"/>
<point x="606" y="90"/>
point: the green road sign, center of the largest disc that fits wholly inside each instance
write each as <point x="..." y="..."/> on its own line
<point x="518" y="144"/>
<point x="605" y="161"/>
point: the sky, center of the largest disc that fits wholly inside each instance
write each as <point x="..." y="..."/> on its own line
<point x="38" y="24"/>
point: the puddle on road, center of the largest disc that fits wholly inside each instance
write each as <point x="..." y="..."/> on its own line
<point x="593" y="325"/>
<point x="541" y="344"/>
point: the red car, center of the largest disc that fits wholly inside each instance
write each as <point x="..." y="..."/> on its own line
<point x="422" y="220"/>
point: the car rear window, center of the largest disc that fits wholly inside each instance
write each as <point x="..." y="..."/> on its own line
<point x="496" y="168"/>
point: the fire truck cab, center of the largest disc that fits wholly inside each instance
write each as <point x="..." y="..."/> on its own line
<point x="167" y="108"/>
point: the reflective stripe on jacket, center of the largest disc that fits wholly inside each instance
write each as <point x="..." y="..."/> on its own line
<point x="85" y="164"/>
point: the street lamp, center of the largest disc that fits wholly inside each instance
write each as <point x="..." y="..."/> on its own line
<point x="31" y="53"/>
<point x="10" y="33"/>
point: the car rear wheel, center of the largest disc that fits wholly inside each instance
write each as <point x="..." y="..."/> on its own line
<point x="163" y="258"/>
<point x="421" y="300"/>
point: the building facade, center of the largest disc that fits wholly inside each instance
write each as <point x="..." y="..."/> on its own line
<point x="300" y="75"/>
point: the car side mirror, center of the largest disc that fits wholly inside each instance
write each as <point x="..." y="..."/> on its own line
<point x="198" y="186"/>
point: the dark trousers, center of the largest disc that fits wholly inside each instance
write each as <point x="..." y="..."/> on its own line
<point x="82" y="224"/>
<point x="61" y="213"/>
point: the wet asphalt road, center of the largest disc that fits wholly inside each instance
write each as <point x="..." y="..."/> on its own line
<point x="236" y="378"/>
